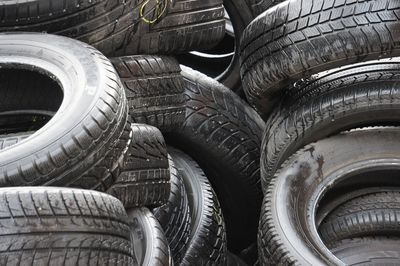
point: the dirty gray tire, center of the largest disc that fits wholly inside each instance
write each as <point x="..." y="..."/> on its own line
<point x="144" y="179"/>
<point x="176" y="27"/>
<point x="223" y="134"/>
<point x="371" y="214"/>
<point x="296" y="39"/>
<point x="62" y="226"/>
<point x="105" y="24"/>
<point x="207" y="240"/>
<point x="288" y="232"/>
<point x="150" y="247"/>
<point x="174" y="216"/>
<point x="364" y="94"/>
<point x="154" y="88"/>
<point x="66" y="150"/>
<point x="12" y="139"/>
<point x="368" y="251"/>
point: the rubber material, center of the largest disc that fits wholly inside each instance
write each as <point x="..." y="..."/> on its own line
<point x="12" y="139"/>
<point x="374" y="214"/>
<point x="104" y="24"/>
<point x="154" y="88"/>
<point x="259" y="6"/>
<point x="148" y="239"/>
<point x="368" y="251"/>
<point x="296" y="39"/>
<point x="174" y="216"/>
<point x="186" y="25"/>
<point x="65" y="150"/>
<point x="207" y="241"/>
<point x="61" y="226"/>
<point x="223" y="134"/>
<point x="144" y="179"/>
<point x="364" y="94"/>
<point x="287" y="232"/>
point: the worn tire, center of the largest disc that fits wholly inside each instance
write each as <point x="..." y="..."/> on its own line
<point x="144" y="179"/>
<point x="102" y="24"/>
<point x="356" y="159"/>
<point x="184" y="26"/>
<point x="233" y="260"/>
<point x="12" y="139"/>
<point x="66" y="150"/>
<point x="371" y="214"/>
<point x="297" y="38"/>
<point x="60" y="226"/>
<point x="154" y="88"/>
<point x="207" y="240"/>
<point x="364" y="94"/>
<point x="368" y="251"/>
<point x="174" y="216"/>
<point x="150" y="247"/>
<point x="223" y="134"/>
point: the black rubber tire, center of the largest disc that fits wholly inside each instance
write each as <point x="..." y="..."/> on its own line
<point x="373" y="214"/>
<point x="144" y="179"/>
<point x="368" y="251"/>
<point x="187" y="25"/>
<point x="105" y="25"/>
<point x="207" y="241"/>
<point x="259" y="6"/>
<point x="288" y="232"/>
<point x="60" y="226"/>
<point x="296" y="39"/>
<point x="174" y="216"/>
<point x="67" y="150"/>
<point x="150" y="247"/>
<point x="154" y="88"/>
<point x="223" y="134"/>
<point x="364" y="94"/>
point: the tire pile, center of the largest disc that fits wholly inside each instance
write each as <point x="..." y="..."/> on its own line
<point x="112" y="153"/>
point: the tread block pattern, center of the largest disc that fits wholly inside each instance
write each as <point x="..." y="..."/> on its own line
<point x="73" y="158"/>
<point x="223" y="134"/>
<point x="330" y="102"/>
<point x="207" y="244"/>
<point x="154" y="88"/>
<point x="174" y="216"/>
<point x="42" y="225"/>
<point x="144" y="179"/>
<point x="374" y="214"/>
<point x="299" y="38"/>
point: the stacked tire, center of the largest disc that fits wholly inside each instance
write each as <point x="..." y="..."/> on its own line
<point x="324" y="75"/>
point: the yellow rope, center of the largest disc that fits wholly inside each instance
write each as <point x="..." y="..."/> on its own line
<point x="159" y="13"/>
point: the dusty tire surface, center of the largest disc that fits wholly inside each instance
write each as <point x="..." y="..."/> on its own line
<point x="66" y="150"/>
<point x="296" y="39"/>
<point x="62" y="226"/>
<point x="175" y="215"/>
<point x="150" y="247"/>
<point x="207" y="240"/>
<point x="288" y="232"/>
<point x="223" y="134"/>
<point x="353" y="96"/>
<point x="144" y="177"/>
<point x="154" y="88"/>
